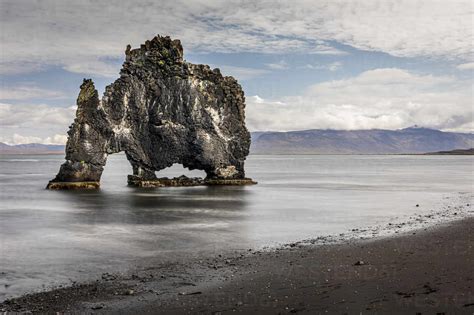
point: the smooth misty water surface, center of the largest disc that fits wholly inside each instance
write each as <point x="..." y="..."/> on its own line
<point x="52" y="237"/>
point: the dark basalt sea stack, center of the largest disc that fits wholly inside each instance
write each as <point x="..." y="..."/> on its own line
<point x="162" y="110"/>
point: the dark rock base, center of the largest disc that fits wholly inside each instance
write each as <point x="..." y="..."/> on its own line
<point x="231" y="182"/>
<point x="186" y="181"/>
<point x="135" y="181"/>
<point x="72" y="185"/>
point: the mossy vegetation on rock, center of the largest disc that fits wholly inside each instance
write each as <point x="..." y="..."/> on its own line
<point x="160" y="111"/>
<point x="72" y="185"/>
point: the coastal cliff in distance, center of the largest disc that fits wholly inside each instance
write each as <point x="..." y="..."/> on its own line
<point x="162" y="110"/>
<point x="413" y="140"/>
<point x="453" y="152"/>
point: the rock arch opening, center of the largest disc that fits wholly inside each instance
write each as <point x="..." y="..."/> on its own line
<point x="177" y="170"/>
<point x="116" y="170"/>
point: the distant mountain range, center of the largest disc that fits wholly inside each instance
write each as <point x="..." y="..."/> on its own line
<point x="412" y="140"/>
<point x="31" y="148"/>
<point x="375" y="141"/>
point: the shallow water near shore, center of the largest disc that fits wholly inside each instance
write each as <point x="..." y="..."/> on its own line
<point x="55" y="237"/>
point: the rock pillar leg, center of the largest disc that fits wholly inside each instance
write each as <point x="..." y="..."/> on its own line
<point x="86" y="148"/>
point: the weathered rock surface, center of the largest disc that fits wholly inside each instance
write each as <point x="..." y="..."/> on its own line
<point x="161" y="111"/>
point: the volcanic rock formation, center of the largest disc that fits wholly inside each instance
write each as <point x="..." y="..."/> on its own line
<point x="162" y="110"/>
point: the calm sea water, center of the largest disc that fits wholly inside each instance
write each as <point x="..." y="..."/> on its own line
<point x="54" y="237"/>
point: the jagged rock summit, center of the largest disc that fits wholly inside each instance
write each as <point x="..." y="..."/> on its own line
<point x="160" y="111"/>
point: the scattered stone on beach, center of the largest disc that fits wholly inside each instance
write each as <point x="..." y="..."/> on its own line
<point x="187" y="284"/>
<point x="190" y="293"/>
<point x="108" y="277"/>
<point x="417" y="205"/>
<point x="97" y="307"/>
<point x="359" y="263"/>
<point x="161" y="111"/>
<point x="405" y="294"/>
<point x="429" y="289"/>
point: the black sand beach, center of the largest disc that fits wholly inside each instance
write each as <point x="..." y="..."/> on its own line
<point x="427" y="271"/>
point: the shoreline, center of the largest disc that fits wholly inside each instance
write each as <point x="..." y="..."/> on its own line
<point x="220" y="283"/>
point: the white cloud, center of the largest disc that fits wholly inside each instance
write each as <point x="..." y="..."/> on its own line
<point x="466" y="66"/>
<point x="240" y="73"/>
<point x="19" y="139"/>
<point x="22" y="115"/>
<point x="56" y="139"/>
<point x="327" y="50"/>
<point x="333" y="66"/>
<point x="380" y="98"/>
<point x="13" y="67"/>
<point x="94" y="67"/>
<point x="26" y="92"/>
<point x="280" y="65"/>
<point x="24" y="123"/>
<point x="60" y="32"/>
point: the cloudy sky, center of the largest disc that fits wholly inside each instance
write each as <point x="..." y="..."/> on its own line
<point x="303" y="64"/>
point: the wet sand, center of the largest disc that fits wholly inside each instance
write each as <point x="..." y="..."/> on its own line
<point x="427" y="271"/>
